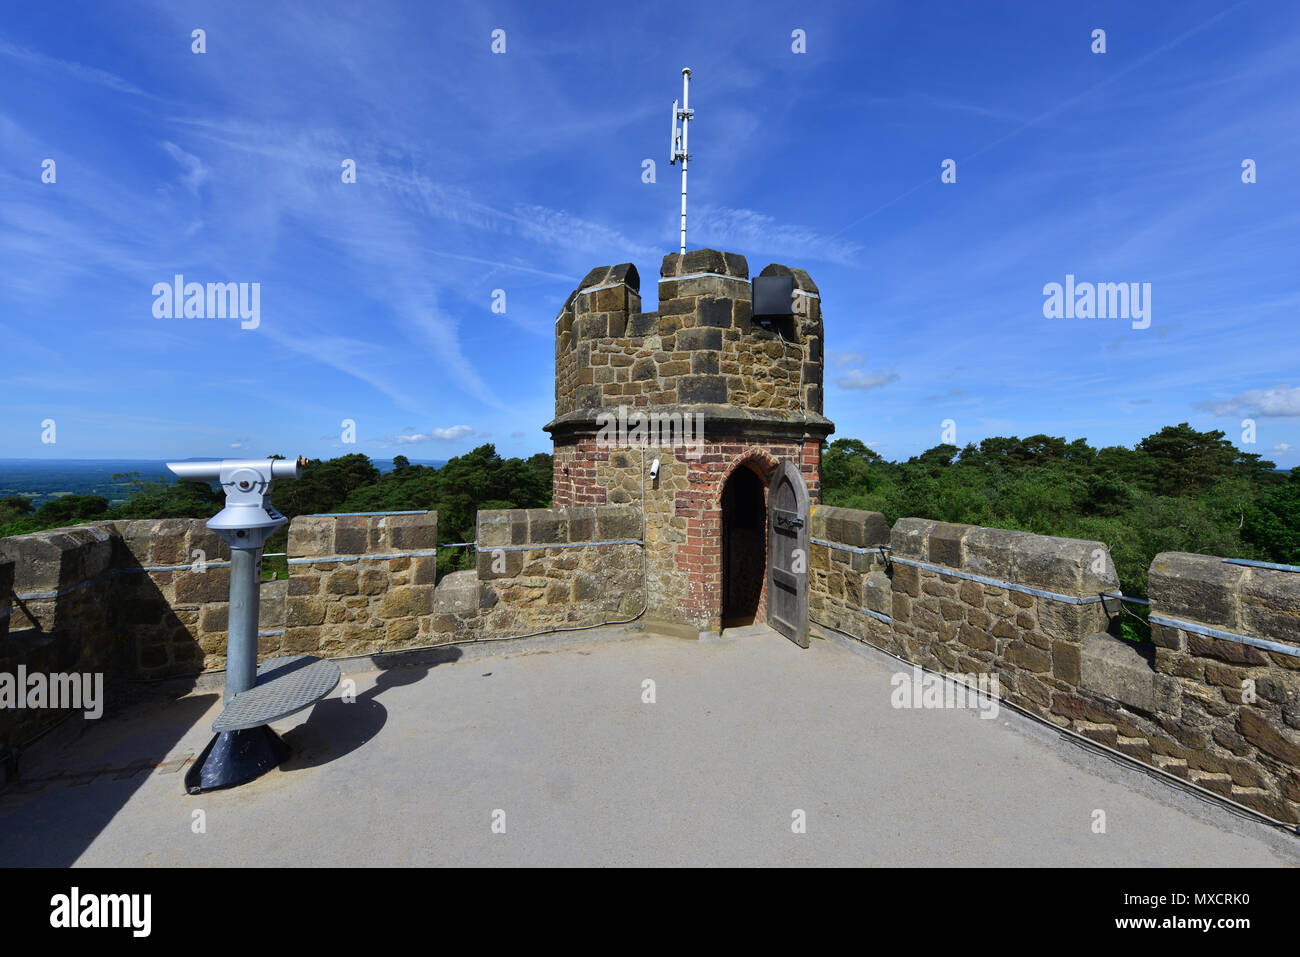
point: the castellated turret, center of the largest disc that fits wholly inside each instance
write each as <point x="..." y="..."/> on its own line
<point x="721" y="398"/>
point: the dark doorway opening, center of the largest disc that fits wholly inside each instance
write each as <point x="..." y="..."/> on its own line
<point x="744" y="547"/>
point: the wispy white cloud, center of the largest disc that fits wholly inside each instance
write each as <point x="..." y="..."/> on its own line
<point x="1279" y="401"/>
<point x="963" y="106"/>
<point x="726" y="228"/>
<point x="950" y="394"/>
<point x="195" y="171"/>
<point x="574" y="233"/>
<point x="448" y="434"/>
<point x="87" y="74"/>
<point x="841" y="359"/>
<point x="857" y="379"/>
<point x="353" y="357"/>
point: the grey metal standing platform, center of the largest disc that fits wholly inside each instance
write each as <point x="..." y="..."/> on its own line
<point x="284" y="686"/>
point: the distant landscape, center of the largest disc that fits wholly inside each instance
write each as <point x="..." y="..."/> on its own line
<point x="1178" y="489"/>
<point x="41" y="480"/>
<point x="41" y="495"/>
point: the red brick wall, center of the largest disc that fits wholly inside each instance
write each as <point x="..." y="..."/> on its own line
<point x="690" y="587"/>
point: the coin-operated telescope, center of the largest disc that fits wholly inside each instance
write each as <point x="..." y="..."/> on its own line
<point x="249" y="518"/>
<point x="245" y="746"/>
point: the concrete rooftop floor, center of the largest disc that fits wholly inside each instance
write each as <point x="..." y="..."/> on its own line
<point x="746" y="729"/>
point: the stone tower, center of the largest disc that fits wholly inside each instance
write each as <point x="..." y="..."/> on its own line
<point x="721" y="400"/>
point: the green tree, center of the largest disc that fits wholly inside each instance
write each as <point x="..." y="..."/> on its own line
<point x="1272" y="521"/>
<point x="14" y="508"/>
<point x="67" y="509"/>
<point x="1177" y="490"/>
<point x="325" y="485"/>
<point x="1183" y="460"/>
<point x="939" y="457"/>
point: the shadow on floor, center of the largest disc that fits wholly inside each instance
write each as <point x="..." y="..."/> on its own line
<point x="338" y="726"/>
<point x="71" y="794"/>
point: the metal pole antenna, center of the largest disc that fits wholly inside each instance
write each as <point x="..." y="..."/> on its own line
<point x="678" y="146"/>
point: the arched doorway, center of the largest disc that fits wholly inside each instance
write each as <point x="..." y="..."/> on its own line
<point x="744" y="546"/>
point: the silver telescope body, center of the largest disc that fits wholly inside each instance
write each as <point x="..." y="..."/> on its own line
<point x="249" y="518"/>
<point x="211" y="470"/>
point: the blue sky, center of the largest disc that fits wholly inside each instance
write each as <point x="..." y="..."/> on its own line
<point x="521" y="171"/>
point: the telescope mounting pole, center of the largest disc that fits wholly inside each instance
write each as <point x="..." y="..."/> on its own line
<point x="245" y="746"/>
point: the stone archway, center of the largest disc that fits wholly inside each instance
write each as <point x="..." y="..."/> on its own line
<point x="744" y="546"/>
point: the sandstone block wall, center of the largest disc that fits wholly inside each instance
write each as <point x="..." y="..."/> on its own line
<point x="543" y="568"/>
<point x="1230" y="715"/>
<point x="60" y="620"/>
<point x="6" y="596"/>
<point x="358" y="584"/>
<point x="954" y="623"/>
<point x="149" y="599"/>
<point x="1179" y="704"/>
<point x="848" y="587"/>
<point x="172" y="582"/>
<point x="123" y="599"/>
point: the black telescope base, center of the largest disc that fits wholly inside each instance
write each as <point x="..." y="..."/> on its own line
<point x="233" y="758"/>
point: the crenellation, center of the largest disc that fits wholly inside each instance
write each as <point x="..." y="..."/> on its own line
<point x="1213" y="709"/>
<point x="704" y="307"/>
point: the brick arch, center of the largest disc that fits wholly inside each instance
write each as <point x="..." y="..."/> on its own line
<point x="760" y="461"/>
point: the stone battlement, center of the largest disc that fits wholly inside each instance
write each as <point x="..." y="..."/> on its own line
<point x="1213" y="699"/>
<point x="149" y="599"/>
<point x="702" y="349"/>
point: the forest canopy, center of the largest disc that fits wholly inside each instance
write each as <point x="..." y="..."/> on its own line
<point x="349" y="483"/>
<point x="1176" y="490"/>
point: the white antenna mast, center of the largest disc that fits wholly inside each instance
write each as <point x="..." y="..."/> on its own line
<point x="677" y="147"/>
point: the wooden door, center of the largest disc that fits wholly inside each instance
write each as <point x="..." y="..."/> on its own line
<point x="787" y="576"/>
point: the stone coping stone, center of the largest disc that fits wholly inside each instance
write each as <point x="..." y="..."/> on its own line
<point x="1119" y="670"/>
<point x="58" y="558"/>
<point x="1069" y="566"/>
<point x="1199" y="588"/>
<point x="1257" y="602"/>
<point x="604" y="275"/>
<point x="704" y="260"/>
<point x="557" y="526"/>
<point x="801" y="279"/>
<point x="327" y="536"/>
<point x="849" y="526"/>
